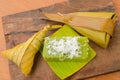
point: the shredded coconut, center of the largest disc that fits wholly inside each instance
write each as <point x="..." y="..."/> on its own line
<point x="65" y="46"/>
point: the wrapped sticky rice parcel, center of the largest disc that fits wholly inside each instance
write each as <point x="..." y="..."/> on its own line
<point x="23" y="54"/>
<point x="97" y="26"/>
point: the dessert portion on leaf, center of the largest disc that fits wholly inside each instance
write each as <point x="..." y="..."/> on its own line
<point x="66" y="52"/>
<point x="23" y="54"/>
<point x="77" y="54"/>
<point x="66" y="48"/>
<point x="97" y="26"/>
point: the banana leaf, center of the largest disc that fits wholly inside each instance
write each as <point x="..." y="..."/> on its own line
<point x="87" y="23"/>
<point x="64" y="69"/>
<point x="23" y="54"/>
<point x="99" y="37"/>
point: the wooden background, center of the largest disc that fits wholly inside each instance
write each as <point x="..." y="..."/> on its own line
<point x="9" y="7"/>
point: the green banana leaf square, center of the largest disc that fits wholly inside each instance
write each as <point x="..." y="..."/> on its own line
<point x="64" y="69"/>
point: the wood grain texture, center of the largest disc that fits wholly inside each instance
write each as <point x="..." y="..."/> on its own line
<point x="21" y="26"/>
<point x="112" y="76"/>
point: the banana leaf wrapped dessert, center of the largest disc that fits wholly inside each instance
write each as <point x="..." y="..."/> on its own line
<point x="97" y="26"/>
<point x="23" y="54"/>
<point x="64" y="64"/>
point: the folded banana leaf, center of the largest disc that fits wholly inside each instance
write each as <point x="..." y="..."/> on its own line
<point x="64" y="69"/>
<point x="87" y="23"/>
<point x="100" y="38"/>
<point x="23" y="54"/>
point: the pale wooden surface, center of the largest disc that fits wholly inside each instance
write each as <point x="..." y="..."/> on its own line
<point x="13" y="6"/>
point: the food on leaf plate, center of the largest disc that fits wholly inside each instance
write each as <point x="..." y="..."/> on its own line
<point x="97" y="26"/>
<point x="24" y="53"/>
<point x="65" y="51"/>
<point x="63" y="62"/>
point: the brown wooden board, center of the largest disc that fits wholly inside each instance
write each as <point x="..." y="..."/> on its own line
<point x="19" y="27"/>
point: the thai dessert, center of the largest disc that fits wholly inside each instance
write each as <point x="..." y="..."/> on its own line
<point x="97" y="26"/>
<point x="66" y="52"/>
<point x="23" y="54"/>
